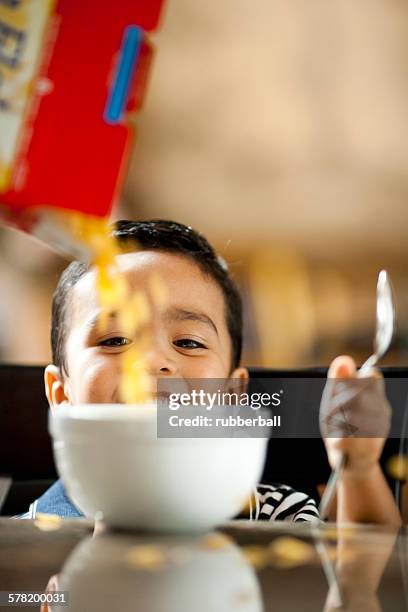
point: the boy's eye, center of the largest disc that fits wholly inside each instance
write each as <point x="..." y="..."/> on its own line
<point x="115" y="342"/>
<point x="188" y="343"/>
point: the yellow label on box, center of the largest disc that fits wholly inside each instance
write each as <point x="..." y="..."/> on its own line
<point x="22" y="27"/>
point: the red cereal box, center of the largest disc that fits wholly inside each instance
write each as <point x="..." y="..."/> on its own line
<point x="71" y="71"/>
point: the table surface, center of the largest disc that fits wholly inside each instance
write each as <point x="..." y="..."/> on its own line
<point x="244" y="566"/>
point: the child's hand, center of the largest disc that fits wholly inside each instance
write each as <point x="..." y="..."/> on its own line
<point x="354" y="416"/>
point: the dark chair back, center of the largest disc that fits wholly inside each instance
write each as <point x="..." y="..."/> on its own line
<point x="25" y="448"/>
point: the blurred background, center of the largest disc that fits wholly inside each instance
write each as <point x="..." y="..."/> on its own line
<point x="279" y="129"/>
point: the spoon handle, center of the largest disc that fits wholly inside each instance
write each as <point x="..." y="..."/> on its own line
<point x="331" y="487"/>
<point x="368" y="364"/>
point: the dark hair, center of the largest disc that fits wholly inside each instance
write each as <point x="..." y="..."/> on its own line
<point x="167" y="236"/>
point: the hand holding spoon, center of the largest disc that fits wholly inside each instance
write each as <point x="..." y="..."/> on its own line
<point x="385" y="323"/>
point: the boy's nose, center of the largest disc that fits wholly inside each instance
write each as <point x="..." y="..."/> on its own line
<point x="159" y="363"/>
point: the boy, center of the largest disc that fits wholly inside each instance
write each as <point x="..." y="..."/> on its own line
<point x="197" y="335"/>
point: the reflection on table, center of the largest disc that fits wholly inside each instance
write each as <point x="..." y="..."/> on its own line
<point x="245" y="566"/>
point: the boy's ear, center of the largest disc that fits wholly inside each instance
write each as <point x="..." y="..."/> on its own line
<point x="55" y="387"/>
<point x="242" y="375"/>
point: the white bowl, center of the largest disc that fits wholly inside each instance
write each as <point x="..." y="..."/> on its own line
<point x="114" y="467"/>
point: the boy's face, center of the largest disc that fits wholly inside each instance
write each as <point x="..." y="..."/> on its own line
<point x="189" y="336"/>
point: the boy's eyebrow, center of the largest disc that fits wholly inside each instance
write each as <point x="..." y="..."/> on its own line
<point x="173" y="314"/>
<point x="180" y="314"/>
<point x="94" y="320"/>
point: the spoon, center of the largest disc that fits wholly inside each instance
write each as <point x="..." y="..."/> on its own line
<point x="385" y="324"/>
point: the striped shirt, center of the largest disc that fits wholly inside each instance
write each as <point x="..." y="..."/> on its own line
<point x="269" y="502"/>
<point x="277" y="502"/>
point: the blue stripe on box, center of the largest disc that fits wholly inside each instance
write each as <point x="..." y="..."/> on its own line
<point x="119" y="91"/>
